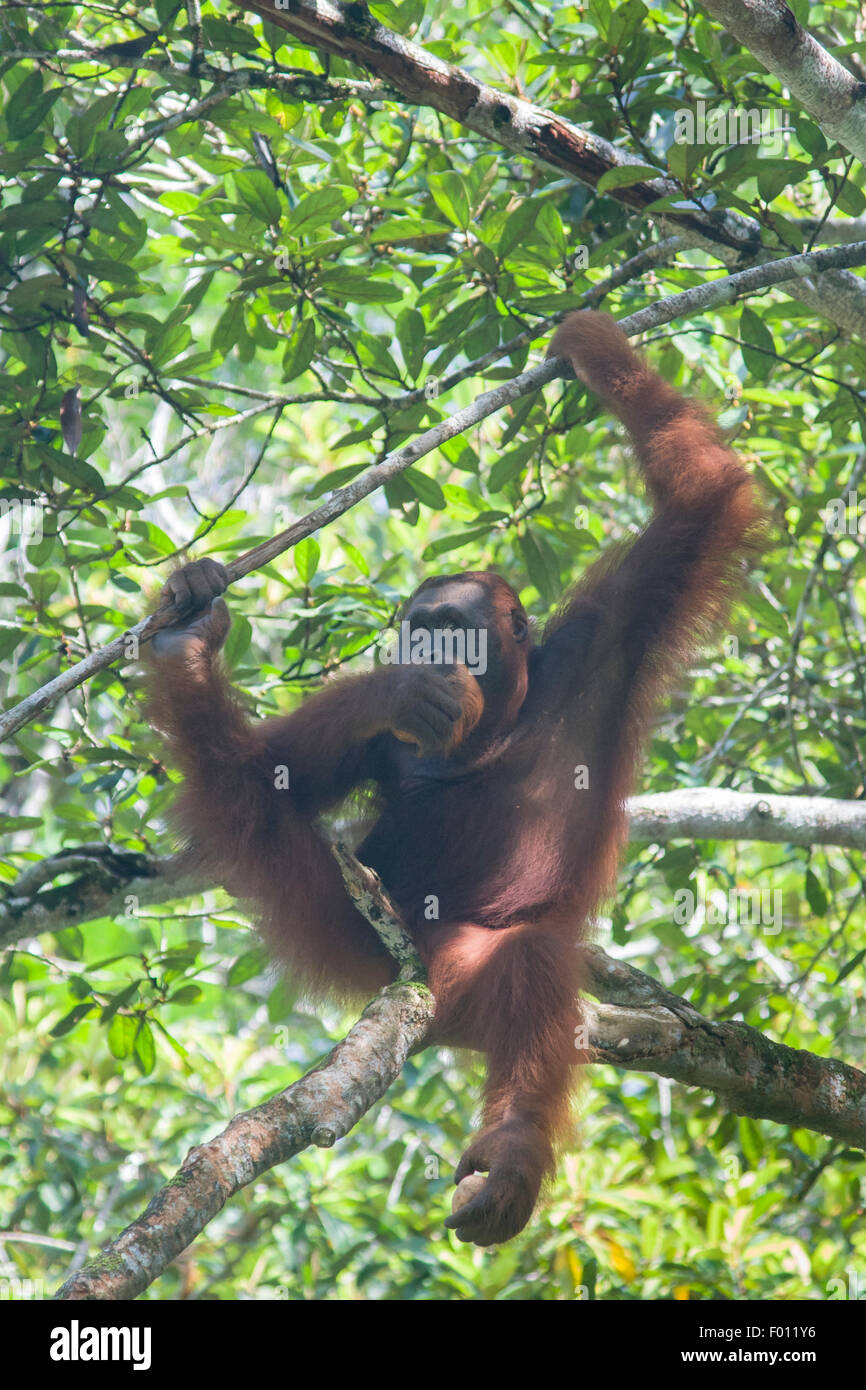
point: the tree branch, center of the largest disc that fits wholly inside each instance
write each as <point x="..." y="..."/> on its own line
<point x="703" y="297"/>
<point x="317" y="1110"/>
<point x="822" y="86"/>
<point x="111" y="884"/>
<point x="640" y="1026"/>
<point x="713" y="813"/>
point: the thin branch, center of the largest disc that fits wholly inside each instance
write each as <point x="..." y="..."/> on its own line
<point x="298" y="85"/>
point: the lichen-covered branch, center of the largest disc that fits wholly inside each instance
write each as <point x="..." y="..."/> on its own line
<point x="638" y="1025"/>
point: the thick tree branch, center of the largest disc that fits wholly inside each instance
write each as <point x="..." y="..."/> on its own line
<point x="815" y="79"/>
<point x="110" y="884"/>
<point x="713" y="813"/>
<point x="640" y="1026"/>
<point x="103" y="884"/>
<point x="711" y="295"/>
<point x="544" y="138"/>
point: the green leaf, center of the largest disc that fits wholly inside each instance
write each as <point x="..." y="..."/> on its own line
<point x="752" y="1142"/>
<point x="82" y="126"/>
<point x="400" y="229"/>
<point x="815" y="895"/>
<point x="258" y="194"/>
<point x="355" y="556"/>
<point x="238" y="640"/>
<point x="851" y="200"/>
<point x="769" y="616"/>
<point x="811" y="137"/>
<point x="360" y="287"/>
<point x="336" y="478"/>
<point x="40" y="213"/>
<point x="627" y="174"/>
<point x="119" y="1001"/>
<point x="777" y="174"/>
<point x="187" y="994"/>
<point x="10" y="823"/>
<point x="509" y="466"/>
<point x="754" y="335"/>
<point x="847" y="969"/>
<point x="9" y="640"/>
<point x="446" y="543"/>
<point x="450" y="196"/>
<point x="325" y="205"/>
<point x="28" y="106"/>
<point x="412" y="337"/>
<point x="427" y="490"/>
<point x="540" y="564"/>
<point x="68" y="1021"/>
<point x="299" y="350"/>
<point x="220" y="34"/>
<point x="306" y="554"/>
<point x="517" y="226"/>
<point x="121" y="1036"/>
<point x="170" y="344"/>
<point x="683" y="160"/>
<point x="229" y="327"/>
<point x="144" y="1048"/>
<point x="247" y="966"/>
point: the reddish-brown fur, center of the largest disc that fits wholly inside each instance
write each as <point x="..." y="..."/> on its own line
<point x="494" y="832"/>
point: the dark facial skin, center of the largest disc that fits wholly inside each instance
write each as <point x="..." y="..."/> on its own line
<point x="464" y="604"/>
<point x="438" y="699"/>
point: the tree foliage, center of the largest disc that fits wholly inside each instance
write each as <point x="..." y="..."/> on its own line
<point x="234" y="275"/>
